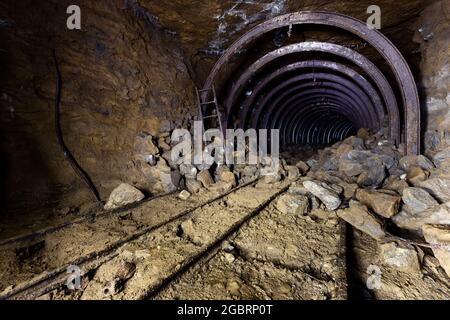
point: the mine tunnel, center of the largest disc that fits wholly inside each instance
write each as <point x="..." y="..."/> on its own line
<point x="100" y="105"/>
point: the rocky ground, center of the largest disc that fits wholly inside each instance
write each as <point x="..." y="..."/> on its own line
<point x="352" y="220"/>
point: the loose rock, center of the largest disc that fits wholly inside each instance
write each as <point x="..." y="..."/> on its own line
<point x="414" y="222"/>
<point x="438" y="188"/>
<point x="412" y="160"/>
<point x="383" y="202"/>
<point x="442" y="156"/>
<point x="205" y="178"/>
<point x="325" y="193"/>
<point x="418" y="200"/>
<point x="193" y="186"/>
<point x="359" y="216"/>
<point x="400" y="256"/>
<point x="292" y="204"/>
<point x="439" y="235"/>
<point x="122" y="195"/>
<point x="184" y="195"/>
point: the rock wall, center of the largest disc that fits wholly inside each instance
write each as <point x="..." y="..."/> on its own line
<point x="122" y="75"/>
<point x="433" y="34"/>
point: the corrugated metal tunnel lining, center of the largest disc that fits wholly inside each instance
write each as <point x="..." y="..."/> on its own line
<point x="318" y="92"/>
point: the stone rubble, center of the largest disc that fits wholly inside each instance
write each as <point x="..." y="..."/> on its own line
<point x="364" y="180"/>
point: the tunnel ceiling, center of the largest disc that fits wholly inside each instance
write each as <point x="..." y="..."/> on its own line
<point x="207" y="28"/>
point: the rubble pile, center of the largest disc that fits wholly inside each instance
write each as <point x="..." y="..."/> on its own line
<point x="364" y="180"/>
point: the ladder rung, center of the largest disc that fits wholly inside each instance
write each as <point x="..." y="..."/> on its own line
<point x="203" y="90"/>
<point x="208" y="102"/>
<point x="214" y="116"/>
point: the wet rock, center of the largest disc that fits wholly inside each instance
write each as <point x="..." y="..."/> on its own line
<point x="325" y="193"/>
<point x="122" y="195"/>
<point x="184" y="195"/>
<point x="412" y="160"/>
<point x="439" y="236"/>
<point x="193" y="186"/>
<point x="292" y="172"/>
<point x="400" y="256"/>
<point x="205" y="178"/>
<point x="359" y="217"/>
<point x="303" y="167"/>
<point x="415" y="175"/>
<point x="292" y="204"/>
<point x="414" y="222"/>
<point x="442" y="156"/>
<point x="383" y="202"/>
<point x="438" y="188"/>
<point x="418" y="200"/>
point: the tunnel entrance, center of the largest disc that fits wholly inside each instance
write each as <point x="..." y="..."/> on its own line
<point x="317" y="92"/>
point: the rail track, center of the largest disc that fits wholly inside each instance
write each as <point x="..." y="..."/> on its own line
<point x="56" y="277"/>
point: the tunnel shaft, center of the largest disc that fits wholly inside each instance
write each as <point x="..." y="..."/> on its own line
<point x="316" y="92"/>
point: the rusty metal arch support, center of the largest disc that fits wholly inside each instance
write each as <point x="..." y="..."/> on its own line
<point x="299" y="130"/>
<point x="322" y="65"/>
<point x="351" y="55"/>
<point x="387" y="50"/>
<point x="316" y="123"/>
<point x="287" y="119"/>
<point x="326" y="89"/>
<point x="357" y="94"/>
<point x="295" y="120"/>
<point x="324" y="94"/>
<point x="306" y="116"/>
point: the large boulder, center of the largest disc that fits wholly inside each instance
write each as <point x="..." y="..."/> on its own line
<point x="122" y="195"/>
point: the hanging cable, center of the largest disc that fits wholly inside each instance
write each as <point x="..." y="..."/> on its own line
<point x="68" y="155"/>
